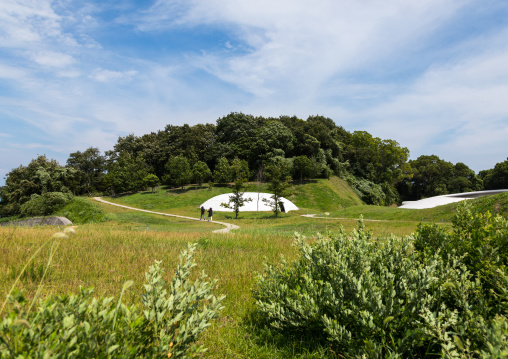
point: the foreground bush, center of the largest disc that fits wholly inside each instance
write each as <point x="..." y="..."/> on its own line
<point x="382" y="299"/>
<point x="79" y="326"/>
<point x="480" y="240"/>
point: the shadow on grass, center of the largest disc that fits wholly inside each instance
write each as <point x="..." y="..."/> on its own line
<point x="297" y="181"/>
<point x="304" y="344"/>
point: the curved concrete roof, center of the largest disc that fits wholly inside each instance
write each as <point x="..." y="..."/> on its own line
<point x="447" y="198"/>
<point x="257" y="204"/>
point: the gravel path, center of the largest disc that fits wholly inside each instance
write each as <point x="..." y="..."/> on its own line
<point x="228" y="227"/>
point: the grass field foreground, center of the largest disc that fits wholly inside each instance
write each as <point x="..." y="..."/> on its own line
<point x="107" y="254"/>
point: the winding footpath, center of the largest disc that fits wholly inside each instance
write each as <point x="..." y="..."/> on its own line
<point x="228" y="227"/>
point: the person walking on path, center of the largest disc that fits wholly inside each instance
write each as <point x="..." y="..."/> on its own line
<point x="210" y="214"/>
<point x="202" y="213"/>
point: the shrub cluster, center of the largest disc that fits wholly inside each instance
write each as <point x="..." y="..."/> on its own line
<point x="79" y="326"/>
<point x="80" y="211"/>
<point x="45" y="204"/>
<point x="396" y="297"/>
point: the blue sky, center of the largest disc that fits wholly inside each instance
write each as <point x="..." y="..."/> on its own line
<point x="432" y="75"/>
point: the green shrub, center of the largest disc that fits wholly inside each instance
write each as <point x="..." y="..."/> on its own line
<point x="80" y="211"/>
<point x="79" y="326"/>
<point x="368" y="191"/>
<point x="45" y="204"/>
<point x="378" y="298"/>
<point x="481" y="241"/>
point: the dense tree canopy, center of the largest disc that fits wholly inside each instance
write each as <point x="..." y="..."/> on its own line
<point x="431" y="176"/>
<point x="497" y="177"/>
<point x="90" y="165"/>
<point x="40" y="176"/>
<point x="239" y="146"/>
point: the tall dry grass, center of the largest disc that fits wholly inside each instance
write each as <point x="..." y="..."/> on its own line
<point x="104" y="258"/>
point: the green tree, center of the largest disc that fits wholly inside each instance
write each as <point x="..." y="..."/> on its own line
<point x="237" y="199"/>
<point x="179" y="171"/>
<point x="239" y="169"/>
<point x="151" y="180"/>
<point x="240" y="132"/>
<point x="302" y="168"/>
<point x="464" y="180"/>
<point x="273" y="135"/>
<point x="375" y="159"/>
<point x="279" y="179"/>
<point x="222" y="172"/>
<point x="91" y="166"/>
<point x="39" y="177"/>
<point x="431" y="176"/>
<point x="497" y="178"/>
<point x="201" y="172"/>
<point x="126" y="173"/>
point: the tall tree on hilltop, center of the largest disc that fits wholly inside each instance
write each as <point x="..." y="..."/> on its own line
<point x="277" y="172"/>
<point x="302" y="167"/>
<point x="201" y="172"/>
<point x="179" y="172"/>
<point x="126" y="174"/>
<point x="239" y="132"/>
<point x="497" y="177"/>
<point x="239" y="169"/>
<point x="222" y="171"/>
<point x="91" y="166"/>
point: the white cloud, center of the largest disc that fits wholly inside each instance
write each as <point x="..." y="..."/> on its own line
<point x="103" y="75"/>
<point x="11" y="72"/>
<point x="342" y="59"/>
<point x="52" y="59"/>
<point x="27" y="21"/>
<point x="295" y="42"/>
<point x="456" y="111"/>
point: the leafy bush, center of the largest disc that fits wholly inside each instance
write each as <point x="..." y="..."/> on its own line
<point x="480" y="240"/>
<point x="368" y="191"/>
<point x="45" y="204"/>
<point x="380" y="298"/>
<point x="79" y="326"/>
<point x="80" y="211"/>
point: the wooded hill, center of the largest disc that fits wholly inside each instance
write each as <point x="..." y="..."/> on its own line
<point x="379" y="170"/>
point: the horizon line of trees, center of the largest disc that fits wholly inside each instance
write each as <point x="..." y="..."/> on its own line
<point x="378" y="170"/>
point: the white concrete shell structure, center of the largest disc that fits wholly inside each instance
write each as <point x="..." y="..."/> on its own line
<point x="257" y="203"/>
<point x="447" y="198"/>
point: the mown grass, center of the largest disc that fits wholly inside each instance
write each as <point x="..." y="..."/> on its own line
<point x="315" y="196"/>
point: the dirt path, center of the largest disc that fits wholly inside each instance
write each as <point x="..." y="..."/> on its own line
<point x="229" y="226"/>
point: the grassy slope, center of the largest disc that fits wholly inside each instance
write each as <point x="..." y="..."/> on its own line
<point x="495" y="204"/>
<point x="325" y="195"/>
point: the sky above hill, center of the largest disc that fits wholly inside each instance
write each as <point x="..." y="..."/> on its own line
<point x="432" y="75"/>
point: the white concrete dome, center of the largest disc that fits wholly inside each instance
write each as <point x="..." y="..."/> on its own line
<point x="257" y="203"/>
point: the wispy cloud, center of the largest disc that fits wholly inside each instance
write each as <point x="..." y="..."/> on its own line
<point x="102" y="75"/>
<point x="430" y="74"/>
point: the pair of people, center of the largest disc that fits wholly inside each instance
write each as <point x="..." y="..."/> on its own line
<point x="210" y="214"/>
